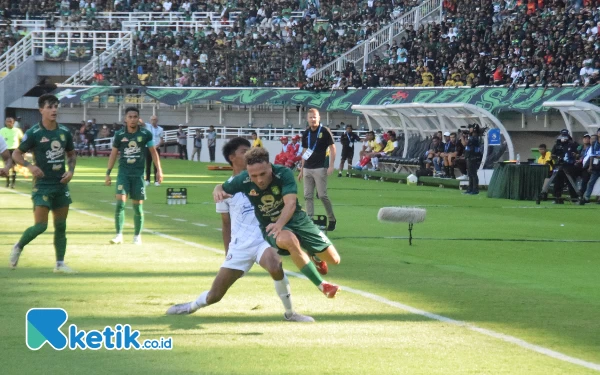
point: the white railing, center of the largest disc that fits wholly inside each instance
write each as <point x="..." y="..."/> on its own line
<point x="162" y="16"/>
<point x="100" y="40"/>
<point x="96" y="63"/>
<point x="29" y="24"/>
<point x="426" y="10"/>
<point x="176" y="25"/>
<point x="16" y="55"/>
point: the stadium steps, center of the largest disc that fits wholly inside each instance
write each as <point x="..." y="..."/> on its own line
<point x="16" y="55"/>
<point x="427" y="11"/>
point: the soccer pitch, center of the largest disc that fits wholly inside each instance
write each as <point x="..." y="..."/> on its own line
<point x="514" y="286"/>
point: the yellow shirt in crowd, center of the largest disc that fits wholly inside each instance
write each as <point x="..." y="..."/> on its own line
<point x="12" y="137"/>
<point x="257" y="143"/>
<point x="546" y="159"/>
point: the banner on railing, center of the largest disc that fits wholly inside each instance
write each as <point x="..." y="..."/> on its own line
<point x="55" y="52"/>
<point x="493" y="99"/>
<point x="80" y="52"/>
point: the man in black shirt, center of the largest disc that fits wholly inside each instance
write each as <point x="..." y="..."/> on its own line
<point x="347" y="140"/>
<point x="316" y="140"/>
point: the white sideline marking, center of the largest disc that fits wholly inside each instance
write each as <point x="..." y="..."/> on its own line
<point x="161" y="215"/>
<point x="180" y="219"/>
<point x="219" y="229"/>
<point x="413" y="310"/>
<point x="199" y="224"/>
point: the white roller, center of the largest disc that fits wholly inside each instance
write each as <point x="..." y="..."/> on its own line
<point x="401" y="214"/>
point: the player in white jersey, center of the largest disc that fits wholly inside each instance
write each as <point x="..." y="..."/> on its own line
<point x="8" y="163"/>
<point x="244" y="246"/>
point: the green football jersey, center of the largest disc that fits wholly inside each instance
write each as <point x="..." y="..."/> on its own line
<point x="267" y="203"/>
<point x="132" y="151"/>
<point x="49" y="148"/>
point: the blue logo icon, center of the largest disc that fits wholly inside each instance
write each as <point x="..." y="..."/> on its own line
<point x="43" y="326"/>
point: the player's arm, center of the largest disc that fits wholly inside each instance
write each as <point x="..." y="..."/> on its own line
<point x="111" y="163"/>
<point x="226" y="230"/>
<point x="71" y="162"/>
<point x="228" y="188"/>
<point x="18" y="158"/>
<point x="156" y="160"/>
<point x="8" y="163"/>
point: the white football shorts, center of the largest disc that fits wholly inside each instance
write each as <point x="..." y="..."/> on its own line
<point x="243" y="258"/>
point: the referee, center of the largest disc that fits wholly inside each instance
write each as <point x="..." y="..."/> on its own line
<point x="316" y="140"/>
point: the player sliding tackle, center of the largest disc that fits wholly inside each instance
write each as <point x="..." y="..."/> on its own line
<point x="272" y="190"/>
<point x="130" y="146"/>
<point x="244" y="246"/>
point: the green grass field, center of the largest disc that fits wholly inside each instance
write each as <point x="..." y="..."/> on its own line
<point x="527" y="287"/>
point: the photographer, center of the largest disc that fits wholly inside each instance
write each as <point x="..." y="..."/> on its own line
<point x="471" y="140"/>
<point x="565" y="152"/>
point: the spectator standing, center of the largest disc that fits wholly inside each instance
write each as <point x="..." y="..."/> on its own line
<point x="12" y="135"/>
<point x="182" y="143"/>
<point x="592" y="162"/>
<point x="198" y="143"/>
<point x="347" y="140"/>
<point x="91" y="132"/>
<point x="158" y="138"/>
<point x="316" y="140"/>
<point x="256" y="142"/>
<point x="211" y="140"/>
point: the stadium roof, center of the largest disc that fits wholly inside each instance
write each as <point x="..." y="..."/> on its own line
<point x="586" y="114"/>
<point x="426" y="119"/>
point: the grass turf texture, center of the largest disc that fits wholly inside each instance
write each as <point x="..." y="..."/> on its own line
<point x="543" y="292"/>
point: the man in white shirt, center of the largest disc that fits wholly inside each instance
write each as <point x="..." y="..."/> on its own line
<point x="586" y="72"/>
<point x="244" y="246"/>
<point x="158" y="138"/>
<point x="167" y="5"/>
<point x="6" y="157"/>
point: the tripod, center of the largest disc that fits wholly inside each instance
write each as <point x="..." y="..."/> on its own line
<point x="543" y="196"/>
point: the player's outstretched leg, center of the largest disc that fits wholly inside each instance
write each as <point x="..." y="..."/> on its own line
<point x="223" y="281"/>
<point x="288" y="241"/>
<point x="271" y="262"/>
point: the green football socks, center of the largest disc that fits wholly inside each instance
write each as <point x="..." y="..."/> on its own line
<point x="138" y="218"/>
<point x="31" y="233"/>
<point x="60" y="239"/>
<point x="310" y="271"/>
<point x="119" y="216"/>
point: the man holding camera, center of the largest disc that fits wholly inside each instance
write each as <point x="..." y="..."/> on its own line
<point x="473" y="153"/>
<point x="565" y="152"/>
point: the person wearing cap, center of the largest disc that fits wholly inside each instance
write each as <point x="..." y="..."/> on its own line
<point x="316" y="141"/>
<point x="182" y="143"/>
<point x="211" y="139"/>
<point x="295" y="152"/>
<point x="286" y="149"/>
<point x="347" y="140"/>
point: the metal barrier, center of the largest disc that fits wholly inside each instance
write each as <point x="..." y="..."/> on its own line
<point x="16" y="55"/>
<point x="384" y="36"/>
<point x="101" y="40"/>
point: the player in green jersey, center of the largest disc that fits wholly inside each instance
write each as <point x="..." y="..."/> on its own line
<point x="51" y="143"/>
<point x="130" y="146"/>
<point x="272" y="191"/>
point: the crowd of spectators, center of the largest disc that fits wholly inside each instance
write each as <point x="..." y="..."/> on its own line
<point x="483" y="42"/>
